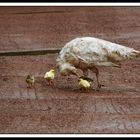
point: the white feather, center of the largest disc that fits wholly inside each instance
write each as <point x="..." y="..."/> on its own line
<point x="94" y="51"/>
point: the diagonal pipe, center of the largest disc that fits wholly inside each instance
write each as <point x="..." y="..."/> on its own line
<point x="30" y="52"/>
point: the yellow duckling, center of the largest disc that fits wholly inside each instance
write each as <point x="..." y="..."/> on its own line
<point x="49" y="76"/>
<point x="30" y="80"/>
<point x="84" y="84"/>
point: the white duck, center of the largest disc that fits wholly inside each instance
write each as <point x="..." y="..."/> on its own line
<point x="88" y="52"/>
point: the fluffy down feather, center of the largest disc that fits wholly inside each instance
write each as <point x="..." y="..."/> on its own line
<point x="30" y="80"/>
<point x="84" y="84"/>
<point x="49" y="75"/>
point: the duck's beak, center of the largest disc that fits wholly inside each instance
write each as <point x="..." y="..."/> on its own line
<point x="74" y="72"/>
<point x="78" y="80"/>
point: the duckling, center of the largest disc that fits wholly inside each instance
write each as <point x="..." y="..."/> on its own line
<point x="30" y="80"/>
<point x="84" y="84"/>
<point x="49" y="76"/>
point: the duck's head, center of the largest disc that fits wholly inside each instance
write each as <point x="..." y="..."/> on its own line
<point x="52" y="70"/>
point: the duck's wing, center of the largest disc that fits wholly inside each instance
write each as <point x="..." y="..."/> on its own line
<point x="102" y="53"/>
